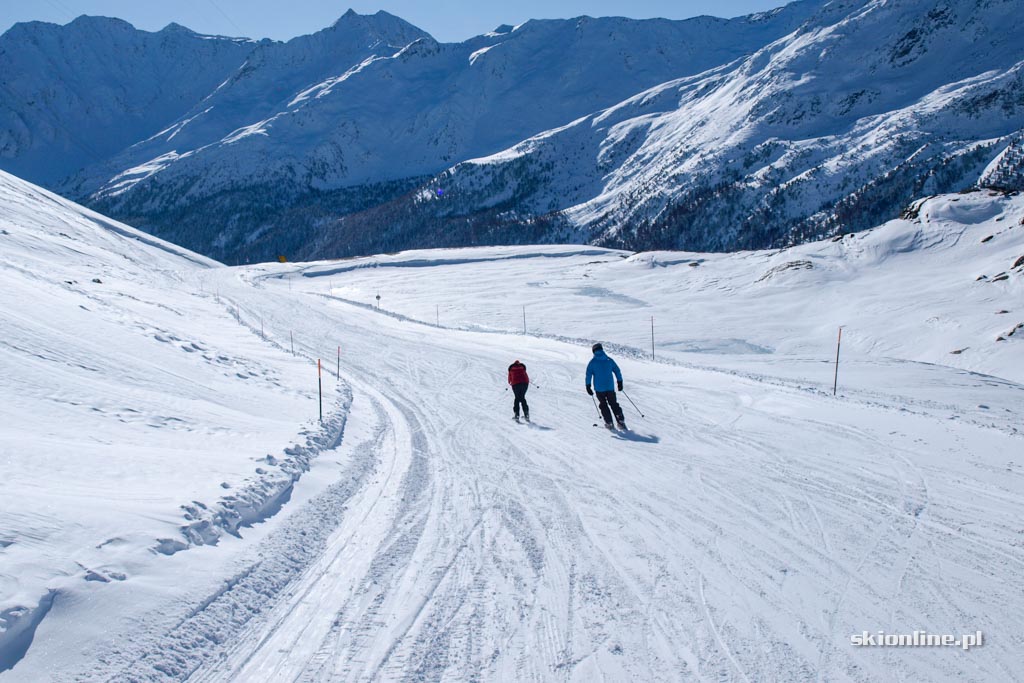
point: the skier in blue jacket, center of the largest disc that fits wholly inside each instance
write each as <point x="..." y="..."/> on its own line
<point x="604" y="372"/>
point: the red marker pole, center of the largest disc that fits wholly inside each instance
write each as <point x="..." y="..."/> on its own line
<point x="320" y="385"/>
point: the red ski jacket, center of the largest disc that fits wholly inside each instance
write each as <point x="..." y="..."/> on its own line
<point x="517" y="374"/>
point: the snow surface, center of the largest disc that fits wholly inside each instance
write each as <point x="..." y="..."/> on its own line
<point x="909" y="290"/>
<point x="743" y="531"/>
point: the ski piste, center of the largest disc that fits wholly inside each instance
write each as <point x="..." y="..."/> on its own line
<point x="426" y="543"/>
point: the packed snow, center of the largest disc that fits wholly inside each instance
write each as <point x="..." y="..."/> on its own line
<point x="171" y="506"/>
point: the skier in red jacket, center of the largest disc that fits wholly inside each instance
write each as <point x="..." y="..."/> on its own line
<point x="520" y="382"/>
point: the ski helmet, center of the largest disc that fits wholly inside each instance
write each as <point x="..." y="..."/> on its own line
<point x="597" y="347"/>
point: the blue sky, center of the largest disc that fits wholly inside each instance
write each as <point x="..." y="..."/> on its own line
<point x="446" y="20"/>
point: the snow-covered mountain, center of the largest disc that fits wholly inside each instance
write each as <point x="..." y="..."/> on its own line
<point x="274" y="78"/>
<point x="171" y="507"/>
<point x="822" y="117"/>
<point x="74" y="95"/>
<point x="834" y="128"/>
<point x="412" y="110"/>
<point x="363" y="111"/>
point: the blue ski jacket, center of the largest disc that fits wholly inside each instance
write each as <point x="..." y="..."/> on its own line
<point x="603" y="371"/>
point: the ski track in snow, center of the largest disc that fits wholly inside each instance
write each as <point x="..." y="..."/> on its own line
<point x="744" y="531"/>
<point x="462" y="547"/>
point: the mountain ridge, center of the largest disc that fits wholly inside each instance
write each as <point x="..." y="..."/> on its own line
<point x="392" y="117"/>
<point x="815" y="118"/>
<point x="75" y="94"/>
<point x="792" y="143"/>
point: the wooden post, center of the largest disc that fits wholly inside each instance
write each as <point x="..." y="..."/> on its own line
<point x="835" y="381"/>
<point x="291" y="338"/>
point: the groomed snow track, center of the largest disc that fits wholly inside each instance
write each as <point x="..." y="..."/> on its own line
<point x="745" y="534"/>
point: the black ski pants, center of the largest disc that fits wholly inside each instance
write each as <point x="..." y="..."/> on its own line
<point x="609" y="405"/>
<point x="520" y="392"/>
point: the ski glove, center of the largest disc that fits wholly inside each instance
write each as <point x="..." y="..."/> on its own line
<point x="589" y="390"/>
<point x="620" y="385"/>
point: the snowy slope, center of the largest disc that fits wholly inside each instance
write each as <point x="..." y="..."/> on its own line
<point x="129" y="392"/>
<point x="943" y="286"/>
<point x="833" y="128"/>
<point x="744" y="530"/>
<point x="75" y="95"/>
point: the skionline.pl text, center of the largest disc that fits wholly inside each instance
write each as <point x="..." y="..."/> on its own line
<point x="916" y="639"/>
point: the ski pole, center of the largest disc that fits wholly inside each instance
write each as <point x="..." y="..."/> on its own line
<point x="599" y="415"/>
<point x="634" y="405"/>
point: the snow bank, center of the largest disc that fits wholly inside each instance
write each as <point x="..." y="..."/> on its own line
<point x="141" y="411"/>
